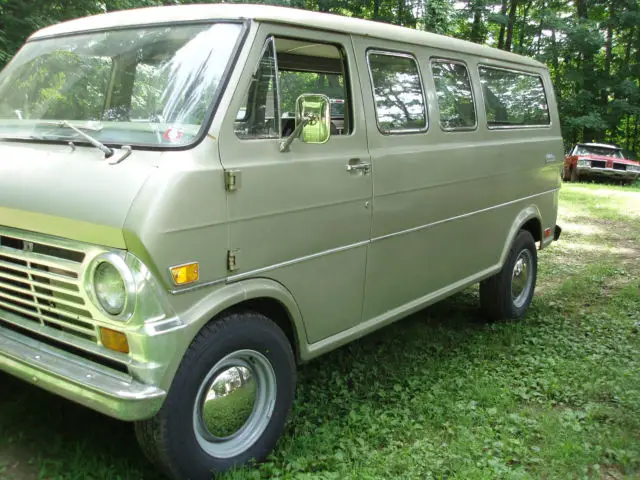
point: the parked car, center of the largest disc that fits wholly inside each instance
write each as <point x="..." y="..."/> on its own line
<point x="169" y="255"/>
<point x="598" y="160"/>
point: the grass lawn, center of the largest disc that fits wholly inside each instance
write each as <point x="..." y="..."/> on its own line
<point x="438" y="395"/>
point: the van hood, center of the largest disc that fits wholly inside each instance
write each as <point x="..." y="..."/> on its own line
<point x="69" y="192"/>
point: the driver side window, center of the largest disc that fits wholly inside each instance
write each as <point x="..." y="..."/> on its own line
<point x="260" y="116"/>
<point x="289" y="68"/>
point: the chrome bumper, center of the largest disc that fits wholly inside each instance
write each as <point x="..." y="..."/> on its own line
<point x="608" y="172"/>
<point x="90" y="385"/>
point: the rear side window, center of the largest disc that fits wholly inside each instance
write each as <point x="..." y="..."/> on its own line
<point x="513" y="99"/>
<point x="398" y="93"/>
<point x="455" y="97"/>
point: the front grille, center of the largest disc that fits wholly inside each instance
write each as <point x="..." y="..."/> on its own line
<point x="620" y="166"/>
<point x="41" y="295"/>
<point x="44" y="287"/>
<point x="598" y="164"/>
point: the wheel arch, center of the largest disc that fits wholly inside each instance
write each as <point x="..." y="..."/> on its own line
<point x="528" y="219"/>
<point x="261" y="295"/>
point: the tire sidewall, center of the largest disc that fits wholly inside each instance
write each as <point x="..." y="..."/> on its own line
<point x="524" y="241"/>
<point x="191" y="461"/>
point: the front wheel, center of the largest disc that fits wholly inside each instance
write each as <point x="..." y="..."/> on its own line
<point x="575" y="176"/>
<point x="228" y="402"/>
<point x="507" y="294"/>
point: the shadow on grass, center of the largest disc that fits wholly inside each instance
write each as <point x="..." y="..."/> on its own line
<point x="60" y="439"/>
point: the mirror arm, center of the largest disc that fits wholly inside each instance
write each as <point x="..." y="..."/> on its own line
<point x="286" y="143"/>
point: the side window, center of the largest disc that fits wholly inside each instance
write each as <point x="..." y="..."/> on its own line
<point x="514" y="99"/>
<point x="290" y="68"/>
<point x="259" y="116"/>
<point x="398" y="93"/>
<point x="455" y="96"/>
<point x="295" y="83"/>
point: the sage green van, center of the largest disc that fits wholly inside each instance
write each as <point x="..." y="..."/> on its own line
<point x="196" y="199"/>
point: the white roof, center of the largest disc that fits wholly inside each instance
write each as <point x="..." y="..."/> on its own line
<point x="290" y="16"/>
<point x="600" y="145"/>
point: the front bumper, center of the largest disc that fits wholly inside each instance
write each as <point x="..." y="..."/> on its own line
<point x="607" y="173"/>
<point x="91" y="385"/>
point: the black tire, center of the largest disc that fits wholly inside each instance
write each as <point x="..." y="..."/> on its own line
<point x="496" y="299"/>
<point x="169" y="440"/>
<point x="566" y="176"/>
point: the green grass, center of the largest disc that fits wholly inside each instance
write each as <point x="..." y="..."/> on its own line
<point x="438" y="395"/>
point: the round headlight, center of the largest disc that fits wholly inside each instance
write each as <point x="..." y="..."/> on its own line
<point x="110" y="288"/>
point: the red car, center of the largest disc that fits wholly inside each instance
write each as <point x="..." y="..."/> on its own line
<point x="590" y="160"/>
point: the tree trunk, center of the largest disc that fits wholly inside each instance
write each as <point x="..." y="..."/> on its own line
<point x="581" y="8"/>
<point x="554" y="62"/>
<point x="608" y="47"/>
<point x="476" y="35"/>
<point x="635" y="136"/>
<point x="513" y="8"/>
<point x="503" y="12"/>
<point x="540" y="28"/>
<point x="400" y="14"/>
<point x="523" y="28"/>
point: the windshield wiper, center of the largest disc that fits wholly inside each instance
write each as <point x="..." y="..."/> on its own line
<point x="108" y="152"/>
<point x="96" y="143"/>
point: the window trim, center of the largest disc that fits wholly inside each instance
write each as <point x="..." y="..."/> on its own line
<point x="474" y="127"/>
<point x="345" y="75"/>
<point x="270" y="40"/>
<point x="519" y="72"/>
<point x="213" y="107"/>
<point x="392" y="53"/>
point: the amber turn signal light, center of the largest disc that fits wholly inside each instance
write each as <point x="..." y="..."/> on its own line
<point x="185" y="273"/>
<point x="114" y="340"/>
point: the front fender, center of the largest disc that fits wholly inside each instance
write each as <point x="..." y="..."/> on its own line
<point x="221" y="299"/>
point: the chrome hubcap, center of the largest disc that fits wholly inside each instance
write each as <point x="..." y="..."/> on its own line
<point x="522" y="278"/>
<point x="234" y="403"/>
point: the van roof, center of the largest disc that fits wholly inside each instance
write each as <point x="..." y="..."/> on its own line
<point x="267" y="13"/>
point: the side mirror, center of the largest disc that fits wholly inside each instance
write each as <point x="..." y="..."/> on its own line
<point x="317" y="108"/>
<point x="313" y="120"/>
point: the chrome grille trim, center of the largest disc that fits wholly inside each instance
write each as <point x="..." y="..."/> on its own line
<point x="38" y="273"/>
<point x="42" y="260"/>
<point x="42" y="293"/>
<point x="63" y="337"/>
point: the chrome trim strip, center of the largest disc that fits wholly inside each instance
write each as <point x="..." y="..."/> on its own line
<point x="198" y="286"/>
<point x="250" y="273"/>
<point x="458" y="217"/>
<point x="287" y="263"/>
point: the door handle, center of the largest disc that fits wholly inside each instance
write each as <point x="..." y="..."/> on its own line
<point x="353" y="167"/>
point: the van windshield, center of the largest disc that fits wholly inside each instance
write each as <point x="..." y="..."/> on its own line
<point x="151" y="86"/>
<point x="596" y="150"/>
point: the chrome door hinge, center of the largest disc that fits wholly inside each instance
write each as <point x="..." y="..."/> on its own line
<point x="231" y="180"/>
<point x="232" y="260"/>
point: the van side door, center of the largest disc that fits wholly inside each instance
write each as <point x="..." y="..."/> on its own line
<point x="300" y="217"/>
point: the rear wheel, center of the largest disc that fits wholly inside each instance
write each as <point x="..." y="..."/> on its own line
<point x="228" y="402"/>
<point x="507" y="294"/>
